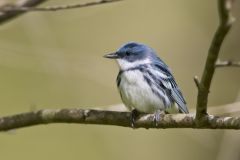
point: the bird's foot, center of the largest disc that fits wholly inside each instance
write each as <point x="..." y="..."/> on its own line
<point x="158" y="115"/>
<point x="134" y="115"/>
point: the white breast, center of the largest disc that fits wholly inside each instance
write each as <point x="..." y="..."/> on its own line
<point x="136" y="93"/>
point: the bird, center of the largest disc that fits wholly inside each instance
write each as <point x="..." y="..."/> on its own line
<point x="145" y="83"/>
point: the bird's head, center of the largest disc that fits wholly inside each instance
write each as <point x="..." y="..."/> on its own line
<point x="133" y="54"/>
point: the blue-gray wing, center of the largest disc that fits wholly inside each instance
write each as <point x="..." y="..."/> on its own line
<point x="167" y="80"/>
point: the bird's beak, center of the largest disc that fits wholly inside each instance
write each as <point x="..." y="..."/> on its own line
<point x="111" y="56"/>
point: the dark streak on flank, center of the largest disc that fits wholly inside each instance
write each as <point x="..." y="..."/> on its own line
<point x="119" y="78"/>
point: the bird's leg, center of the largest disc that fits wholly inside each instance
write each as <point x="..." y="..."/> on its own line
<point x="134" y="115"/>
<point x="157" y="117"/>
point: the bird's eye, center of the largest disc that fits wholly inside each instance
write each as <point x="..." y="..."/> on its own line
<point x="127" y="53"/>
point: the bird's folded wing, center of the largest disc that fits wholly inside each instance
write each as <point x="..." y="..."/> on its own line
<point x="171" y="87"/>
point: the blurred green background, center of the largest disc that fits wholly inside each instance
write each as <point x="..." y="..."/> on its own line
<point x="54" y="60"/>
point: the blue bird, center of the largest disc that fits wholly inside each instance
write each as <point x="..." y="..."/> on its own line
<point x="146" y="83"/>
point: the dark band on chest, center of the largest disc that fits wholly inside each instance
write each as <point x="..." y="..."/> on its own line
<point x="126" y="70"/>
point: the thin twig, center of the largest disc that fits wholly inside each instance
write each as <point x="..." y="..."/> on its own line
<point x="114" y="118"/>
<point x="220" y="63"/>
<point x="196" y="80"/>
<point x="226" y="21"/>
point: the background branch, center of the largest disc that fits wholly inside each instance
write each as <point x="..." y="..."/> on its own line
<point x="6" y="15"/>
<point x="60" y="7"/>
<point x="10" y="11"/>
<point x="220" y="63"/>
<point x="226" y="20"/>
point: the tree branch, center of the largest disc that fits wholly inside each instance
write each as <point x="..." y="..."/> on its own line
<point x="101" y="117"/>
<point x="8" y="11"/>
<point x="6" y="15"/>
<point x="61" y="7"/>
<point x="220" y="63"/>
<point x="226" y="21"/>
